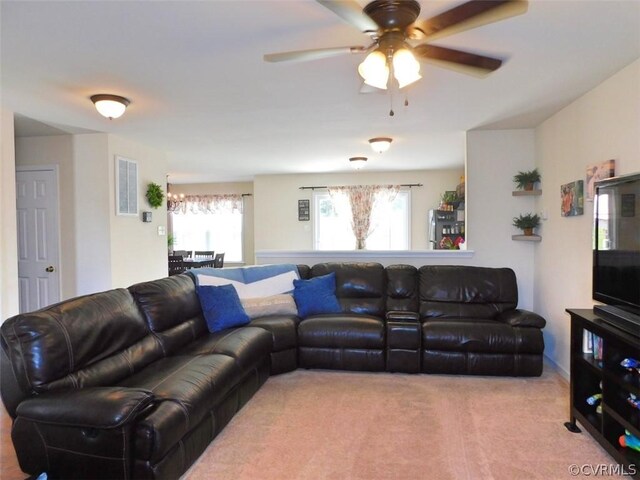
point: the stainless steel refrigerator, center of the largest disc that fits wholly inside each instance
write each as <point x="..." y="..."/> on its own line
<point x="444" y="223"/>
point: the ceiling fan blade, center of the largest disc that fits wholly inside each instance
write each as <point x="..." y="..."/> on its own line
<point x="463" y="62"/>
<point x="315" y="54"/>
<point x="466" y="16"/>
<point x="351" y="12"/>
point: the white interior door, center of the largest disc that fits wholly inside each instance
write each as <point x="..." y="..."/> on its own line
<point x="38" y="244"/>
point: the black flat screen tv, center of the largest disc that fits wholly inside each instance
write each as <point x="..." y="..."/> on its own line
<point x="616" y="251"/>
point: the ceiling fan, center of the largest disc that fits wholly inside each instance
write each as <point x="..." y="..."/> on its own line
<point x="393" y="24"/>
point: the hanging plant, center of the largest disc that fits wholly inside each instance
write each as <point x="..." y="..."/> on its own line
<point x="155" y="195"/>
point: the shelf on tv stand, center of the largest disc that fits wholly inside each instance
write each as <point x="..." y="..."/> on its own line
<point x="589" y="372"/>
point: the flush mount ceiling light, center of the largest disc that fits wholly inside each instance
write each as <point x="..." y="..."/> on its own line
<point x="110" y="106"/>
<point x="358" y="162"/>
<point x="380" y="144"/>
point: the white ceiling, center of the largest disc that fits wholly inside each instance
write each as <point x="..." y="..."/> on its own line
<point x="200" y="90"/>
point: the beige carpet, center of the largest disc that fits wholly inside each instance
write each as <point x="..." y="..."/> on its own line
<point x="345" y="425"/>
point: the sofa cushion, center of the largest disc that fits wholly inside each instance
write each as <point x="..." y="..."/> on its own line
<point x="360" y="286"/>
<point x="186" y="389"/>
<point x="402" y="288"/>
<point x="94" y="340"/>
<point x="450" y="291"/>
<point x="172" y="310"/>
<point x="248" y="346"/>
<point x="316" y="295"/>
<point x="221" y="307"/>
<point x="342" y="331"/>
<point x="283" y="330"/>
<point x="480" y="336"/>
<point x="282" y="304"/>
<point x="167" y="302"/>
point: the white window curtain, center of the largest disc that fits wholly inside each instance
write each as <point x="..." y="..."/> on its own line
<point x="362" y="200"/>
<point x="228" y="202"/>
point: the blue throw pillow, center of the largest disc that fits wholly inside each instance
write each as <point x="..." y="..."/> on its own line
<point x="221" y="307"/>
<point x="316" y="296"/>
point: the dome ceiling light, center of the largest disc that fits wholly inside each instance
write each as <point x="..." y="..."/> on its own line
<point x="358" y="162"/>
<point x="110" y="106"/>
<point x="380" y="144"/>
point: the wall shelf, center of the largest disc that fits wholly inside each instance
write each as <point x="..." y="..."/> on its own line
<point x="526" y="238"/>
<point x="526" y="193"/>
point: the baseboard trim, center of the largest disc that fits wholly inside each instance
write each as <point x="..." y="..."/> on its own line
<point x="561" y="371"/>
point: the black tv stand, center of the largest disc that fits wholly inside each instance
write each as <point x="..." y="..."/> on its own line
<point x="619" y="318"/>
<point x="598" y="371"/>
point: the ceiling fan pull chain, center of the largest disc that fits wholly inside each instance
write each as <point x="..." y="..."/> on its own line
<point x="391" y="112"/>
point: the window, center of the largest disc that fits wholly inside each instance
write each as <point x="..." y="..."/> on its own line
<point x="603" y="222"/>
<point x="390" y="223"/>
<point x="219" y="231"/>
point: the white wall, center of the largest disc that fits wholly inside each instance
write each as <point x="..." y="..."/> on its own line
<point x="9" y="298"/>
<point x="100" y="250"/>
<point x="92" y="221"/>
<point x="276" y="203"/>
<point x="138" y="253"/>
<point x="603" y="124"/>
<point x="57" y="150"/>
<point x="248" y="251"/>
<point x="493" y="157"/>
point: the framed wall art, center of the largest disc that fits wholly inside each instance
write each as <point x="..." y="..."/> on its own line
<point x="572" y="199"/>
<point x="303" y="211"/>
<point x="600" y="171"/>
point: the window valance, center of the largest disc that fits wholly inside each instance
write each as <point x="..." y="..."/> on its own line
<point x="227" y="202"/>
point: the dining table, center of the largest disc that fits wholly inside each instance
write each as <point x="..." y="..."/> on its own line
<point x="197" y="262"/>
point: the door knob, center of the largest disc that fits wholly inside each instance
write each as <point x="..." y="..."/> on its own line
<point x="49" y="269"/>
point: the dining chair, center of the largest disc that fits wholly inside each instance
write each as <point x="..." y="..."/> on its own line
<point x="218" y="261"/>
<point x="176" y="265"/>
<point x="204" y="254"/>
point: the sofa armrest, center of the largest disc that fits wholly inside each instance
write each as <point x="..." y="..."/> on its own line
<point x="97" y="407"/>
<point x="402" y="316"/>
<point x="522" y="318"/>
<point x="79" y="434"/>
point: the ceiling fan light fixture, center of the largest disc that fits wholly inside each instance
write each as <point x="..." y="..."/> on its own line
<point x="380" y="144"/>
<point x="358" y="162"/>
<point x="374" y="70"/>
<point x="408" y="79"/>
<point x="406" y="69"/>
<point x="110" y="106"/>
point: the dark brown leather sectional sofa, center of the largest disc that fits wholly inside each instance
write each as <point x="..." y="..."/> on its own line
<point x="129" y="383"/>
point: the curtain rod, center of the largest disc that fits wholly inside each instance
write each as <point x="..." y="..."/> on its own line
<point x="203" y="194"/>
<point x="325" y="186"/>
<point x="196" y="194"/>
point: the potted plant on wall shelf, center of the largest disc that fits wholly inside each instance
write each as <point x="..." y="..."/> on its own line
<point x="527" y="223"/>
<point x="526" y="180"/>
